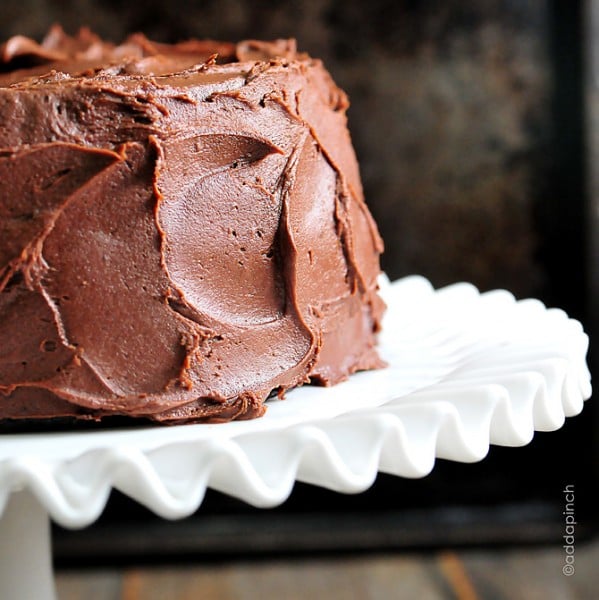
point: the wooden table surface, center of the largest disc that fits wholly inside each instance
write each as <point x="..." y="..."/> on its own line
<point x="524" y="573"/>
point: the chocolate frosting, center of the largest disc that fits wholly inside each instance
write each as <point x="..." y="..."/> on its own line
<point x="182" y="229"/>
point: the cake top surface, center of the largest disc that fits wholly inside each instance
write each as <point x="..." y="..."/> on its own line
<point x="23" y="61"/>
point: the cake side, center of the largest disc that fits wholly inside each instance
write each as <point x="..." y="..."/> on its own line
<point x="176" y="244"/>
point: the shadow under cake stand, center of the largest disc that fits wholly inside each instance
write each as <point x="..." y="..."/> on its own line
<point x="465" y="370"/>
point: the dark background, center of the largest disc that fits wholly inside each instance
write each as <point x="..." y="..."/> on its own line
<point x="473" y="124"/>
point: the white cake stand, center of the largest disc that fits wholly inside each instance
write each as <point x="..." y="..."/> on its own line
<point x="465" y="370"/>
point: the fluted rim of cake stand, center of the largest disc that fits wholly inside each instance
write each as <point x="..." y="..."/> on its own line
<point x="466" y="370"/>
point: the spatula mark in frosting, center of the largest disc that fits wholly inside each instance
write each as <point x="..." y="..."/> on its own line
<point x="224" y="272"/>
<point x="51" y="175"/>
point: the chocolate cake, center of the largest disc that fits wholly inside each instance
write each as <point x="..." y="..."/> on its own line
<point x="182" y="229"/>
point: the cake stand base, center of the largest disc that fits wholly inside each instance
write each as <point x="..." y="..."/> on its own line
<point x="25" y="550"/>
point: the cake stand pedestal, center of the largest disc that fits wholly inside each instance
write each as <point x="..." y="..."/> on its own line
<point x="465" y="370"/>
<point x="25" y="550"/>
